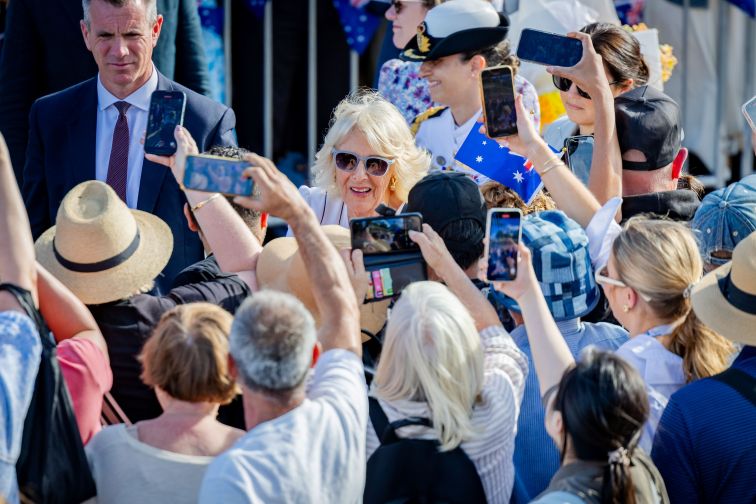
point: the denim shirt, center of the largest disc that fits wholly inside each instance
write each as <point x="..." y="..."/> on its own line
<point x="20" y="350"/>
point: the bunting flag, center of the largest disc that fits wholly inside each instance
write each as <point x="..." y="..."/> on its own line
<point x="498" y="163"/>
<point x="257" y="7"/>
<point x="359" y="26"/>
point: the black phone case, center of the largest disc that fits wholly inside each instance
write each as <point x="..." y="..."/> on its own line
<point x="375" y="262"/>
<point x="166" y="151"/>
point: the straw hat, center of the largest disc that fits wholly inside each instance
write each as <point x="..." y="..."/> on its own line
<point x="101" y="250"/>
<point x="725" y="299"/>
<point x="280" y="267"/>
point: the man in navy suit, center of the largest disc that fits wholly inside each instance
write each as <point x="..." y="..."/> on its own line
<point x="93" y="130"/>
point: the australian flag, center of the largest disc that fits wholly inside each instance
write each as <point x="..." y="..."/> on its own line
<point x="498" y="163"/>
<point x="359" y="26"/>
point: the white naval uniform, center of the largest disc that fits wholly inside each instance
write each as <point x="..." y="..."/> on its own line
<point x="434" y="134"/>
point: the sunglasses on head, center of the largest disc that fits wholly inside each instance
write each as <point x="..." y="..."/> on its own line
<point x="399" y="4"/>
<point x="374" y="165"/>
<point x="564" y="84"/>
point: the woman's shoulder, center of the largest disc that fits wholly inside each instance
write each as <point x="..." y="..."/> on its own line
<point x="559" y="497"/>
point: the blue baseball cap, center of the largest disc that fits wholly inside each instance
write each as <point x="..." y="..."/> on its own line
<point x="725" y="217"/>
<point x="562" y="264"/>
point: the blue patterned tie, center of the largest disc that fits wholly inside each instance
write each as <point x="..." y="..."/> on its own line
<point x="119" y="152"/>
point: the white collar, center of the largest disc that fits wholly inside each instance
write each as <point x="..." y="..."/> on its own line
<point x="139" y="98"/>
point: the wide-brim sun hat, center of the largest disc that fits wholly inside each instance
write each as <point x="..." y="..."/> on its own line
<point x="280" y="267"/>
<point x="100" y="249"/>
<point x="725" y="299"/>
<point x="456" y="26"/>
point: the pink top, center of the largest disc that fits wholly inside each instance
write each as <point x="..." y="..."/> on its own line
<point x="88" y="376"/>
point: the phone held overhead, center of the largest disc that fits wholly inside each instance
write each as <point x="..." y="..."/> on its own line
<point x="503" y="233"/>
<point x="217" y="174"/>
<point x="579" y="155"/>
<point x="749" y="111"/>
<point x="498" y="95"/>
<point x="392" y="259"/>
<point x="549" y="49"/>
<point x="166" y="112"/>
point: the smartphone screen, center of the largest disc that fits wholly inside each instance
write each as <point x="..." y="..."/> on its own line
<point x="217" y="174"/>
<point x="166" y="112"/>
<point x="749" y="111"/>
<point x="497" y="88"/>
<point x="503" y="232"/>
<point x="580" y="155"/>
<point x="388" y="282"/>
<point x="381" y="235"/>
<point x="549" y="48"/>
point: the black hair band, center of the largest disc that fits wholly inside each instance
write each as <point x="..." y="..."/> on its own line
<point x="107" y="264"/>
<point x="741" y="300"/>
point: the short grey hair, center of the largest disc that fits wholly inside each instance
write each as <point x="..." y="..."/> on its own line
<point x="150" y="8"/>
<point x="271" y="341"/>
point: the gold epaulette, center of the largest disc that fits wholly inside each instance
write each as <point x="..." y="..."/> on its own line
<point x="419" y="118"/>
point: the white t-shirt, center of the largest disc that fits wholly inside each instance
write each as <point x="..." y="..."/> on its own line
<point x="314" y="453"/>
<point x="127" y="470"/>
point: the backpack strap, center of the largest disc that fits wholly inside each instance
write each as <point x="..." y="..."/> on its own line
<point x="24" y="298"/>
<point x="386" y="431"/>
<point x="741" y="381"/>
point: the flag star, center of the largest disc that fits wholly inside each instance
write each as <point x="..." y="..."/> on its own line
<point x="479" y="159"/>
<point x="484" y="142"/>
<point x="518" y="176"/>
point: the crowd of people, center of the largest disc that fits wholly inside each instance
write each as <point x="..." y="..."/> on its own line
<point x="155" y="347"/>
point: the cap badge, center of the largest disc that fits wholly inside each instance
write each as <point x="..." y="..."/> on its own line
<point x="423" y="42"/>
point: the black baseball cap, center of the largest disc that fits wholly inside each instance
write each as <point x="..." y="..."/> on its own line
<point x="446" y="197"/>
<point x="649" y="121"/>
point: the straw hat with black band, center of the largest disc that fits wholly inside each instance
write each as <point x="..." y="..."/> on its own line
<point x="725" y="299"/>
<point x="100" y="249"/>
<point x="454" y="27"/>
<point x="280" y="267"/>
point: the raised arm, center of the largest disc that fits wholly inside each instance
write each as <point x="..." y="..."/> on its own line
<point x="438" y="257"/>
<point x="66" y="316"/>
<point x="331" y="284"/>
<point x="605" y="180"/>
<point x="551" y="355"/>
<point x="234" y="245"/>
<point x="16" y="246"/>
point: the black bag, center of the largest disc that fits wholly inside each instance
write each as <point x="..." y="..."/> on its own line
<point x="413" y="470"/>
<point x="52" y="467"/>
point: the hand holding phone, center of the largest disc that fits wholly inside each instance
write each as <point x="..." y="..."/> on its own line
<point x="217" y="174"/>
<point x="550" y="49"/>
<point x="497" y="92"/>
<point x="166" y="112"/>
<point x="503" y="233"/>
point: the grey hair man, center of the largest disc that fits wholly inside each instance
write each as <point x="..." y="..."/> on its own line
<point x="303" y="444"/>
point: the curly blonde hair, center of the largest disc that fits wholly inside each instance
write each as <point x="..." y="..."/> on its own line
<point x="386" y="132"/>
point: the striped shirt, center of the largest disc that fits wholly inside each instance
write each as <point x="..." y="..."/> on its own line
<point x="494" y="417"/>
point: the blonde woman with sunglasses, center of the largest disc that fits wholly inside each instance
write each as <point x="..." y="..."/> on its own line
<point x="368" y="158"/>
<point x="646" y="269"/>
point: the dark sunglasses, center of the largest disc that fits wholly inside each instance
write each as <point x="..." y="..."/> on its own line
<point x="399" y="4"/>
<point x="374" y="165"/>
<point x="564" y="84"/>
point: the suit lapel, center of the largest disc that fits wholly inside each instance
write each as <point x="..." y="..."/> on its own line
<point x="82" y="136"/>
<point x="153" y="174"/>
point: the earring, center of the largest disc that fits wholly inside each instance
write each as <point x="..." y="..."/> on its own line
<point x="392" y="183"/>
<point x="625" y="308"/>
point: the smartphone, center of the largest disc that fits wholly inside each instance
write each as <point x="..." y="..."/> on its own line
<point x="381" y="235"/>
<point x="749" y="111"/>
<point x="497" y="92"/>
<point x="166" y="112"/>
<point x="217" y="174"/>
<point x="503" y="230"/>
<point x="579" y="153"/>
<point x="391" y="280"/>
<point x="547" y="48"/>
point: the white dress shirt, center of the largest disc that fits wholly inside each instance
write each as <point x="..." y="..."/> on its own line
<point x="136" y="115"/>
